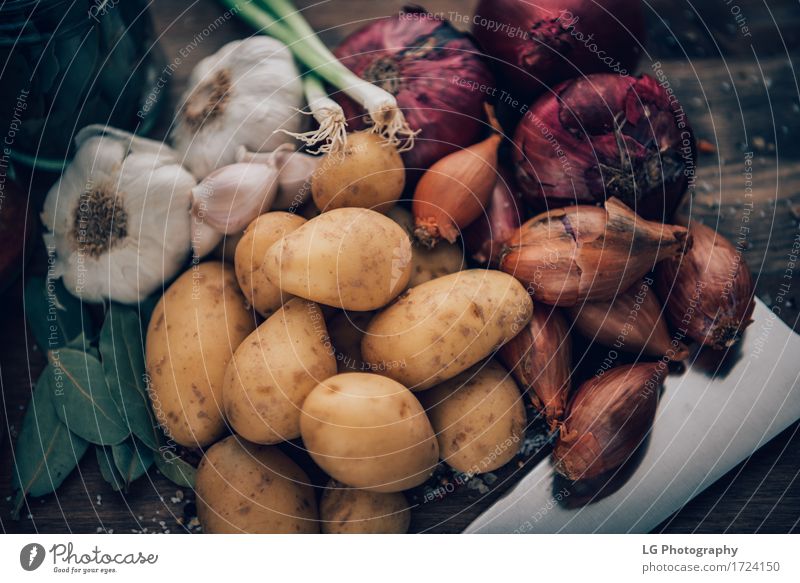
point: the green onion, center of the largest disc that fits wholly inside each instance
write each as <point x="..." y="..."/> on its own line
<point x="281" y="20"/>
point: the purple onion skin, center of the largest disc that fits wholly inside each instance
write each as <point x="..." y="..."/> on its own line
<point x="434" y="71"/>
<point x="537" y="44"/>
<point x="606" y="135"/>
<point x="484" y="238"/>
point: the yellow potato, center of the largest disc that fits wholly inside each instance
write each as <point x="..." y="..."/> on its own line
<point x="478" y="417"/>
<point x="195" y="329"/>
<point x="349" y="258"/>
<point x="367" y="172"/>
<point x="369" y="432"/>
<point x="246" y="488"/>
<point x="259" y="236"/>
<point x="344" y="510"/>
<point x="273" y="371"/>
<point x="441" y="328"/>
<point x="346" y="330"/>
<point x="428" y="264"/>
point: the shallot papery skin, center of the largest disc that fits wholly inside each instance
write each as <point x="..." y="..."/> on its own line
<point x="483" y="239"/>
<point x="540" y="358"/>
<point x="435" y="72"/>
<point x="708" y="293"/>
<point x="632" y="321"/>
<point x="579" y="253"/>
<point x="607" y="420"/>
<point x="538" y="44"/>
<point x="606" y="135"/>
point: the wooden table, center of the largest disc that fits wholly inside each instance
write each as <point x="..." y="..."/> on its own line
<point x="741" y="95"/>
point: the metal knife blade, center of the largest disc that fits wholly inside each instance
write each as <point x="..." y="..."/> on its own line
<point x="705" y="425"/>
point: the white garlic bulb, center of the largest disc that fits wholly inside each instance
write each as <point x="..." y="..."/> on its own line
<point x="239" y="96"/>
<point x="118" y="218"/>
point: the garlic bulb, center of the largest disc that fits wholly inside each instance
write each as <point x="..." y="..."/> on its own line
<point x="118" y="218"/>
<point x="239" y="96"/>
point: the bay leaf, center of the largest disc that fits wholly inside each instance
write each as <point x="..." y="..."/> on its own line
<point x="82" y="398"/>
<point x="175" y="469"/>
<point x="132" y="459"/>
<point x="122" y="352"/>
<point x="54" y="315"/>
<point x="109" y="471"/>
<point x="46" y="451"/>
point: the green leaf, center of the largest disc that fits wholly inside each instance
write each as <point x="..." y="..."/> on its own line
<point x="46" y="451"/>
<point x="175" y="469"/>
<point x="123" y="362"/>
<point x="132" y="459"/>
<point x="105" y="459"/>
<point x="82" y="398"/>
<point x="54" y="315"/>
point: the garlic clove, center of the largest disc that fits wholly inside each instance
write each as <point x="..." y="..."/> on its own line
<point x="204" y="238"/>
<point x="230" y="198"/>
<point x="295" y="170"/>
<point x="607" y="420"/>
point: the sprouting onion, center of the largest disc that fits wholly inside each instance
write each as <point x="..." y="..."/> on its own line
<point x="280" y="19"/>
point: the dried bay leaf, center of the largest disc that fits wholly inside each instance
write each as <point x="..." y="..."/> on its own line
<point x="132" y="459"/>
<point x="122" y="352"/>
<point x="46" y="451"/>
<point x="82" y="398"/>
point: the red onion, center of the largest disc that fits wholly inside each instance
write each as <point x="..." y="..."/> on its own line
<point x="538" y="44"/>
<point x="435" y="72"/>
<point x="484" y="238"/>
<point x="606" y="135"/>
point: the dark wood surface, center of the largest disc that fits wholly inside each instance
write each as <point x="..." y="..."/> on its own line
<point x="741" y="94"/>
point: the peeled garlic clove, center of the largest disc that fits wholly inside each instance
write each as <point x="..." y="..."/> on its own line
<point x="632" y="322"/>
<point x="708" y="293"/>
<point x="607" y="420"/>
<point x="540" y="357"/>
<point x="580" y="253"/>
<point x="230" y="198"/>
<point x="295" y="170"/>
<point x="204" y="238"/>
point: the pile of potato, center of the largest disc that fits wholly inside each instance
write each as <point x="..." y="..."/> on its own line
<point x="374" y="353"/>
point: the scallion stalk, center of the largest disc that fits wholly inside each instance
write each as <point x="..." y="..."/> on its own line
<point x="285" y="23"/>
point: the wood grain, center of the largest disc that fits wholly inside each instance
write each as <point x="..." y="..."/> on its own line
<point x="741" y="95"/>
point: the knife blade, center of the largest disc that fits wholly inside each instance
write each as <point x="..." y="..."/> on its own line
<point x="705" y="425"/>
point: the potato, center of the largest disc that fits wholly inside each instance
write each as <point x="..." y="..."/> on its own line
<point x="273" y="371"/>
<point x="428" y="264"/>
<point x="246" y="488"/>
<point x="368" y="172"/>
<point x="195" y="329"/>
<point x="355" y="259"/>
<point x="346" y="330"/>
<point x="441" y="328"/>
<point x="259" y="236"/>
<point x="344" y="510"/>
<point x="478" y="417"/>
<point x="369" y="432"/>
